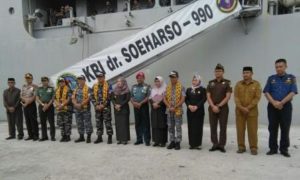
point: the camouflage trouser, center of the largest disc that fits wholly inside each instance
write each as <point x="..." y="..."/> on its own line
<point x="64" y="122"/>
<point x="104" y="116"/>
<point x="175" y="122"/>
<point x="84" y="122"/>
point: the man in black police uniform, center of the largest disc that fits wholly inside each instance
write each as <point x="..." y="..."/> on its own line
<point x="280" y="90"/>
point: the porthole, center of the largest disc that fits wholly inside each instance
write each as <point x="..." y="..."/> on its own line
<point x="11" y="10"/>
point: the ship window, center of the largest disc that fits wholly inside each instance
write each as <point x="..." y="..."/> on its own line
<point x="141" y="4"/>
<point x="164" y="2"/>
<point x="180" y="2"/>
<point x="101" y="7"/>
<point x="283" y="7"/>
<point x="11" y="10"/>
<point x="54" y="11"/>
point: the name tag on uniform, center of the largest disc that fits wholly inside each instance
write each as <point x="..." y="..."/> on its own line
<point x="288" y="81"/>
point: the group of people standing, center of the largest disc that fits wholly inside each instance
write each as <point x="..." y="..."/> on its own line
<point x="158" y="109"/>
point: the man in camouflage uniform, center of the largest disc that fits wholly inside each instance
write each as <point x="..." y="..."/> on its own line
<point x="28" y="95"/>
<point x="82" y="108"/>
<point x="45" y="98"/>
<point x="174" y="110"/>
<point x="102" y="107"/>
<point x="63" y="116"/>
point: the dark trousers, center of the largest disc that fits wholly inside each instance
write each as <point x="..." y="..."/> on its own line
<point x="142" y="123"/>
<point x="215" y="119"/>
<point x="280" y="118"/>
<point x="30" y="113"/>
<point x="44" y="116"/>
<point x="15" y="119"/>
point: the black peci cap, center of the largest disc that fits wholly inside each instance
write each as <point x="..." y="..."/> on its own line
<point x="11" y="79"/>
<point x="248" y="68"/>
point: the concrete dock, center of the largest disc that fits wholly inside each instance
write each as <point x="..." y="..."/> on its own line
<point x="22" y="160"/>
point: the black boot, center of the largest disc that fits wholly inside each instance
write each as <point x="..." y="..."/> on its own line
<point x="68" y="138"/>
<point x="171" y="145"/>
<point x="177" y="146"/>
<point x="88" y="138"/>
<point x="80" y="139"/>
<point x="109" y="141"/>
<point x="63" y="139"/>
<point x="99" y="140"/>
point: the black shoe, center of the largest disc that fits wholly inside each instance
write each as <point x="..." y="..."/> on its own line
<point x="80" y="139"/>
<point x="119" y="142"/>
<point x="98" y="140"/>
<point x="214" y="148"/>
<point x="171" y="145"/>
<point x="109" y="140"/>
<point x="53" y="139"/>
<point x="285" y="154"/>
<point x="222" y="149"/>
<point x="10" y="137"/>
<point x="155" y="144"/>
<point x="177" y="146"/>
<point x="20" y="137"/>
<point x="124" y="143"/>
<point x="271" y="152"/>
<point x="63" y="139"/>
<point x="29" y="138"/>
<point x="88" y="138"/>
<point x="138" y="143"/>
<point x="43" y="139"/>
<point x="68" y="138"/>
<point x="163" y="145"/>
<point x="195" y="147"/>
<point x="147" y="143"/>
<point x="35" y="138"/>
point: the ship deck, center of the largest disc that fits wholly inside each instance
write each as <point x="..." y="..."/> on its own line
<point x="55" y="160"/>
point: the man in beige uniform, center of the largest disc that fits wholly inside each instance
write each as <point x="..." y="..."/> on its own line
<point x="28" y="94"/>
<point x="247" y="93"/>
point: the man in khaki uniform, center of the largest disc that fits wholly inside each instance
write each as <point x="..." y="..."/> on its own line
<point x="218" y="95"/>
<point x="247" y="93"/>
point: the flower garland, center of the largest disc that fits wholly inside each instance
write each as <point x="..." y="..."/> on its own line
<point x="85" y="92"/>
<point x="104" y="92"/>
<point x="178" y="87"/>
<point x="62" y="98"/>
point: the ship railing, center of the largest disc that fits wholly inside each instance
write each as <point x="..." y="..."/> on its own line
<point x="251" y="8"/>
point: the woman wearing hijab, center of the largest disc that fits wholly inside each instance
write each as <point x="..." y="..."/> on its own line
<point x="120" y="99"/>
<point x="195" y="99"/>
<point x="158" y="113"/>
